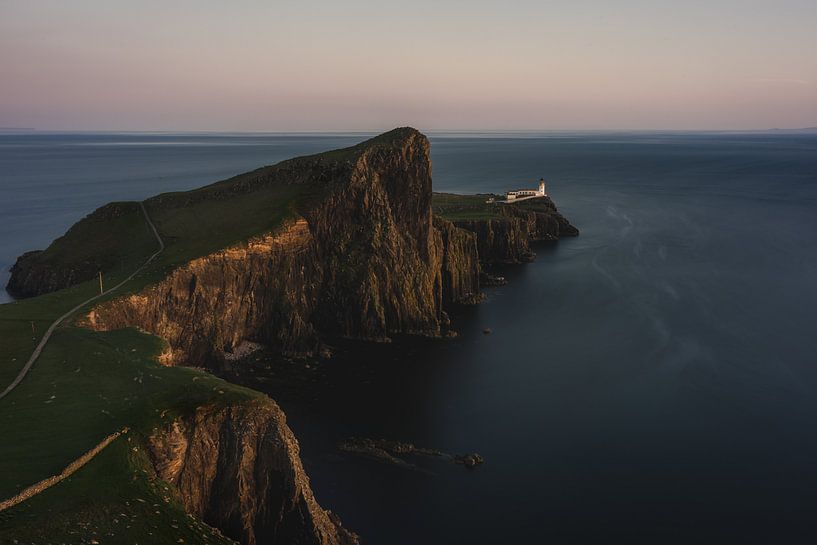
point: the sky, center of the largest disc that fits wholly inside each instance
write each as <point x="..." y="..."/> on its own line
<point x="314" y="65"/>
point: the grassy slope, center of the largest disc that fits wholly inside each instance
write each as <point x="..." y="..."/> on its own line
<point x="85" y="386"/>
<point x="107" y="228"/>
<point x="88" y="384"/>
<point x="114" y="499"/>
<point x="473" y="207"/>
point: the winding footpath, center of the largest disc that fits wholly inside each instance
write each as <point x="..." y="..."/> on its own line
<point x="38" y="350"/>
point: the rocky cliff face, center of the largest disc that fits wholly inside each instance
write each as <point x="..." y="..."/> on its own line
<point x="460" y="268"/>
<point x="364" y="260"/>
<point x="507" y="239"/>
<point x="237" y="468"/>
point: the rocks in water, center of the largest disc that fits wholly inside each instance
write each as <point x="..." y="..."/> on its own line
<point x="470" y="461"/>
<point x="384" y="450"/>
<point x="378" y="447"/>
<point x="489" y="280"/>
<point x="244" y="349"/>
<point x="325" y="353"/>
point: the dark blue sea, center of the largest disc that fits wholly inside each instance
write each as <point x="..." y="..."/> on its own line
<point x="652" y="381"/>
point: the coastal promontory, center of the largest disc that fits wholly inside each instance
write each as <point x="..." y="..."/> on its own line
<point x="348" y="244"/>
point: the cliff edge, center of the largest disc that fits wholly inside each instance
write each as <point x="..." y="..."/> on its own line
<point x="238" y="469"/>
<point x="360" y="256"/>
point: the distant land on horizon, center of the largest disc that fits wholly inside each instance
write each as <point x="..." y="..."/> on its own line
<point x="798" y="130"/>
<point x="432" y="132"/>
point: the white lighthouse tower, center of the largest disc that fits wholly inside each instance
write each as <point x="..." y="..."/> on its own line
<point x="542" y="190"/>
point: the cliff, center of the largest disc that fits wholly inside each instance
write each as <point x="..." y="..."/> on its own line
<point x="504" y="231"/>
<point x="340" y="244"/>
<point x="237" y="468"/>
<point x="460" y="268"/>
<point x="360" y="257"/>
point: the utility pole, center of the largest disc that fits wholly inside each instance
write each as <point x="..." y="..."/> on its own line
<point x="100" y="282"/>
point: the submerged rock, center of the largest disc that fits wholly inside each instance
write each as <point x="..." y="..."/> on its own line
<point x="470" y="461"/>
<point x="384" y="450"/>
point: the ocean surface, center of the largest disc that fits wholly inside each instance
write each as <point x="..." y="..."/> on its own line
<point x="651" y="381"/>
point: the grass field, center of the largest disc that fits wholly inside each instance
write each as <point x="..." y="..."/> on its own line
<point x="112" y="500"/>
<point x="474" y="207"/>
<point x="464" y="207"/>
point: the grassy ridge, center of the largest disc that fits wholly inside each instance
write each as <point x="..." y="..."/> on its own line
<point x="113" y="239"/>
<point x="196" y="230"/>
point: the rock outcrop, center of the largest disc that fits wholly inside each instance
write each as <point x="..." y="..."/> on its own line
<point x="237" y="468"/>
<point x="70" y="259"/>
<point x="507" y="239"/>
<point x="460" y="268"/>
<point x="28" y="280"/>
<point x="364" y="259"/>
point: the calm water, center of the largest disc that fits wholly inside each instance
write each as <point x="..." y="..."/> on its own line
<point x="653" y="381"/>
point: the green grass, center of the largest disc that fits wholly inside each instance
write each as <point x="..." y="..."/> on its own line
<point x="16" y="337"/>
<point x="474" y="207"/>
<point x="116" y="498"/>
<point x="114" y="239"/>
<point x="87" y="385"/>
<point x="209" y="225"/>
<point x="464" y="207"/>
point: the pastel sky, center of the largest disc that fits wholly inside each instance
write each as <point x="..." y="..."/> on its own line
<point x="282" y="65"/>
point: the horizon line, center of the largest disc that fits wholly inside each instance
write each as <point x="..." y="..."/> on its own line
<point x="379" y="131"/>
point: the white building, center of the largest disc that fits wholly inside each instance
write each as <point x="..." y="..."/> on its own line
<point x="527" y="193"/>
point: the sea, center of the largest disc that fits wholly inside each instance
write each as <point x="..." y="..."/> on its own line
<point x="652" y="381"/>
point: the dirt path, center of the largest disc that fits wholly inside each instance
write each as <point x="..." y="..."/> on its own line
<point x="36" y="354"/>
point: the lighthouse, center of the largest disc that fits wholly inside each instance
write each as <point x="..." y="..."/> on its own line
<point x="542" y="191"/>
